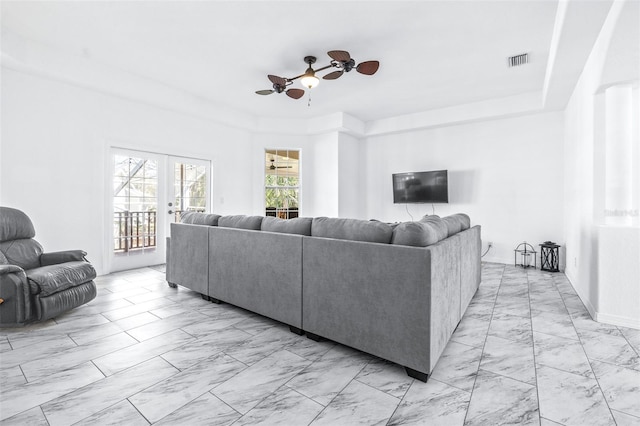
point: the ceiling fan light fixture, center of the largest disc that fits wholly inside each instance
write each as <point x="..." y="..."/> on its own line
<point x="309" y="80"/>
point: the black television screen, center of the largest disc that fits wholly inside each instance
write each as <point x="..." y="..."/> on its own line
<point x="421" y="187"/>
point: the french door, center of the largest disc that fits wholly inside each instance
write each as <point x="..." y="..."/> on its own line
<point x="150" y="191"/>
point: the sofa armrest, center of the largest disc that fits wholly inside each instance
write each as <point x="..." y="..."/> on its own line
<point x="57" y="257"/>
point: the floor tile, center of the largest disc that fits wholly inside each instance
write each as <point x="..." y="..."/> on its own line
<point x="509" y="358"/>
<point x="385" y="376"/>
<point x="458" y="366"/>
<point x="632" y="336"/>
<point x="621" y="387"/>
<point x="583" y="321"/>
<point x="91" y="399"/>
<point x="358" y="404"/>
<point x="283" y="407"/>
<point x="156" y="328"/>
<point x="246" y="389"/>
<point x="200" y="349"/>
<point x="259" y="346"/>
<point x="511" y="327"/>
<point x="141" y="352"/>
<point x="562" y="354"/>
<point x="609" y="348"/>
<point x="11" y="376"/>
<point x="472" y="330"/>
<point x="122" y="413"/>
<point x="571" y="399"/>
<point x="432" y="403"/>
<point x="45" y="350"/>
<point x="326" y="377"/>
<point x="499" y="400"/>
<point x="166" y="396"/>
<point x="553" y="323"/>
<point x="71" y="357"/>
<point x="32" y="417"/>
<point x="205" y="410"/>
<point x="623" y="419"/>
<point x="20" y="398"/>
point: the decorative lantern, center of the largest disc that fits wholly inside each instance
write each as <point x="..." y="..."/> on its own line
<point x="549" y="256"/>
<point x="526" y="252"/>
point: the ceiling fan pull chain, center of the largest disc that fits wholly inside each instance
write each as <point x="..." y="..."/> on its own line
<point x="309" y="101"/>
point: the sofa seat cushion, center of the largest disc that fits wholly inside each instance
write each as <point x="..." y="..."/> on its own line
<point x="241" y="222"/>
<point x="351" y="229"/>
<point x="197" y="218"/>
<point x="416" y="234"/>
<point x="48" y="280"/>
<point x="298" y="225"/>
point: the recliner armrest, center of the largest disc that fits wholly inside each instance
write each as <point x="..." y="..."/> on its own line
<point x="10" y="269"/>
<point x="58" y="257"/>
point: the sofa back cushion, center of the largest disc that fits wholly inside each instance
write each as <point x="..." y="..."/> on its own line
<point x="465" y="220"/>
<point x="415" y="234"/>
<point x="241" y="222"/>
<point x="197" y="218"/>
<point x="453" y="225"/>
<point x="351" y="229"/>
<point x="24" y="253"/>
<point x="298" y="225"/>
<point x="438" y="224"/>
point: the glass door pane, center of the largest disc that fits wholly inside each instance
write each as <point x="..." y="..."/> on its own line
<point x="135" y="204"/>
<point x="137" y="227"/>
<point x="191" y="187"/>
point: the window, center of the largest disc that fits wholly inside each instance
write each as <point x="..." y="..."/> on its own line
<point x="282" y="183"/>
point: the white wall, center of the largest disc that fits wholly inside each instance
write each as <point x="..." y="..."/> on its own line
<point x="55" y="142"/>
<point x="505" y="174"/>
<point x="614" y="61"/>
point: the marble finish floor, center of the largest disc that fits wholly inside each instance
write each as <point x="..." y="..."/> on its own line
<point x="526" y="352"/>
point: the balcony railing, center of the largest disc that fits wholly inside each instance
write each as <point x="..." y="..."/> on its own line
<point x="134" y="231"/>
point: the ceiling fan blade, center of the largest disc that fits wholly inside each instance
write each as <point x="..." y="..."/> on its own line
<point x="277" y="80"/>
<point x="333" y="75"/>
<point x="295" y="93"/>
<point x="264" y="92"/>
<point x="368" y="67"/>
<point x="339" y="55"/>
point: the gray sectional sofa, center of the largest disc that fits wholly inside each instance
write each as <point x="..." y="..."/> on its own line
<point x="396" y="291"/>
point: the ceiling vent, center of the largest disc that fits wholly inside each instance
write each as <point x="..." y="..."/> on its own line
<point x="515" y="61"/>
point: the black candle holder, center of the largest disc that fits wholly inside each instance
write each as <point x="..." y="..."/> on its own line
<point x="526" y="253"/>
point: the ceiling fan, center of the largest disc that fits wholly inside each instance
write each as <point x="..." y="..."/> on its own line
<point x="273" y="166"/>
<point x="340" y="59"/>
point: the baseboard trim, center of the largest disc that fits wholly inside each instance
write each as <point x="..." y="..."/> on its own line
<point x="618" y="320"/>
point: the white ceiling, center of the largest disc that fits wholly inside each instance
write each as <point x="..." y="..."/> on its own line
<point x="433" y="54"/>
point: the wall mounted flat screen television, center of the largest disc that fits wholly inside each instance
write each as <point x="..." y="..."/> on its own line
<point x="421" y="187"/>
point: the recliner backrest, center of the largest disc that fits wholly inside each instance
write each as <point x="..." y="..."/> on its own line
<point x="16" y="239"/>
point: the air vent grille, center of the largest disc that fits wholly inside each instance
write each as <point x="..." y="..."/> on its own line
<point x="515" y="61"/>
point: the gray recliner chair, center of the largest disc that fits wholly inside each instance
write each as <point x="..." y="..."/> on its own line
<point x="36" y="286"/>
